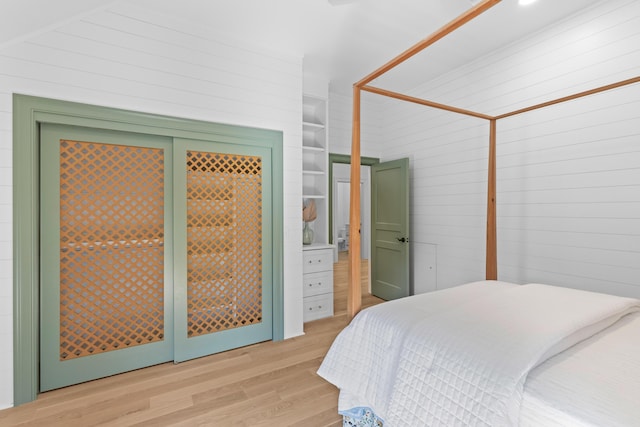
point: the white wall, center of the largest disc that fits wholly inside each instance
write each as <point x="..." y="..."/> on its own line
<point x="447" y="160"/>
<point x="129" y="58"/>
<point x="568" y="176"/>
<point x="341" y="119"/>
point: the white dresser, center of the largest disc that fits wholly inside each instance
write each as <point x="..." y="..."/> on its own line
<point x="317" y="281"/>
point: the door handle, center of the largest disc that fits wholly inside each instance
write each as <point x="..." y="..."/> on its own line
<point x="402" y="239"/>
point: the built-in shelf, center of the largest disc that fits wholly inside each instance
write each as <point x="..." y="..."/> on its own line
<point x="318" y="256"/>
<point x="312" y="125"/>
<point x="315" y="159"/>
<point x="313" y="148"/>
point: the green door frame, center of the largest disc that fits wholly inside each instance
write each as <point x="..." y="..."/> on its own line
<point x="28" y="113"/>
<point x="344" y="159"/>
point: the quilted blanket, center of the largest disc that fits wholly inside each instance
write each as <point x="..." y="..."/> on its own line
<point x="460" y="356"/>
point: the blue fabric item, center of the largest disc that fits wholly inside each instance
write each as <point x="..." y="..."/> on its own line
<point x="360" y="417"/>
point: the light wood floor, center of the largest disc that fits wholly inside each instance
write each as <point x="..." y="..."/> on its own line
<point x="267" y="384"/>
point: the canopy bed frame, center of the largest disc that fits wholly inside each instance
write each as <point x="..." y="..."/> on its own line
<point x="487" y="353"/>
<point x="354" y="301"/>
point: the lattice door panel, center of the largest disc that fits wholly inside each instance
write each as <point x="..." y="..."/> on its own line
<point x="224" y="242"/>
<point x="111" y="247"/>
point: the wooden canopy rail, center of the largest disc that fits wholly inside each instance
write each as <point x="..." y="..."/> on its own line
<point x="354" y="297"/>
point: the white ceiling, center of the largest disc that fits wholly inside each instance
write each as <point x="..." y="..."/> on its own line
<point x="341" y="42"/>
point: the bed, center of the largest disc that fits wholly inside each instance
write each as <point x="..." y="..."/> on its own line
<point x="487" y="353"/>
<point x="459" y="357"/>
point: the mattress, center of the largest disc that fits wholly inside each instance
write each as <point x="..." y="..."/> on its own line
<point x="432" y="359"/>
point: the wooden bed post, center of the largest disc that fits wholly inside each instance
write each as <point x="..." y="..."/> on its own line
<point x="492" y="249"/>
<point x="354" y="294"/>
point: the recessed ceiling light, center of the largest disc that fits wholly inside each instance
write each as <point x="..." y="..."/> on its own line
<point x="525" y="2"/>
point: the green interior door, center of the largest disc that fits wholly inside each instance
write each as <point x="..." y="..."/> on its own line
<point x="106" y="253"/>
<point x="390" y="229"/>
<point x="223" y="253"/>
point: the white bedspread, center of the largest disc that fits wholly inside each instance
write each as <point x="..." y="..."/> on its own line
<point x="460" y="356"/>
<point x="594" y="383"/>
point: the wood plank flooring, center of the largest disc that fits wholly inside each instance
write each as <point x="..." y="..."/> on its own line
<point x="267" y="384"/>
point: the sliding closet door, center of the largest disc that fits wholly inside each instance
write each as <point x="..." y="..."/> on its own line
<point x="106" y="260"/>
<point x="223" y="237"/>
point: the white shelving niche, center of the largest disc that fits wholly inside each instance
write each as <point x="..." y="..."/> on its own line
<point x="318" y="256"/>
<point x="315" y="161"/>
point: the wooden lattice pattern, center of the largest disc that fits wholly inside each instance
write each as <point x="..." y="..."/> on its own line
<point x="111" y="247"/>
<point x="224" y="242"/>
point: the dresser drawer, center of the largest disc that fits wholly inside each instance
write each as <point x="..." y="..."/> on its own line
<point x="317" y="260"/>
<point x="317" y="307"/>
<point x="317" y="283"/>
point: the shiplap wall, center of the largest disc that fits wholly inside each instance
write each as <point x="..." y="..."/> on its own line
<point x="340" y="120"/>
<point x="130" y="58"/>
<point x="569" y="197"/>
<point x="448" y="178"/>
<point x="568" y="176"/>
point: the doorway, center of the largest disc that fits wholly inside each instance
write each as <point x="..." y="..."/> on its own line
<point x="341" y="186"/>
<point x="343" y="159"/>
<point x="32" y="113"/>
<point x="339" y="179"/>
